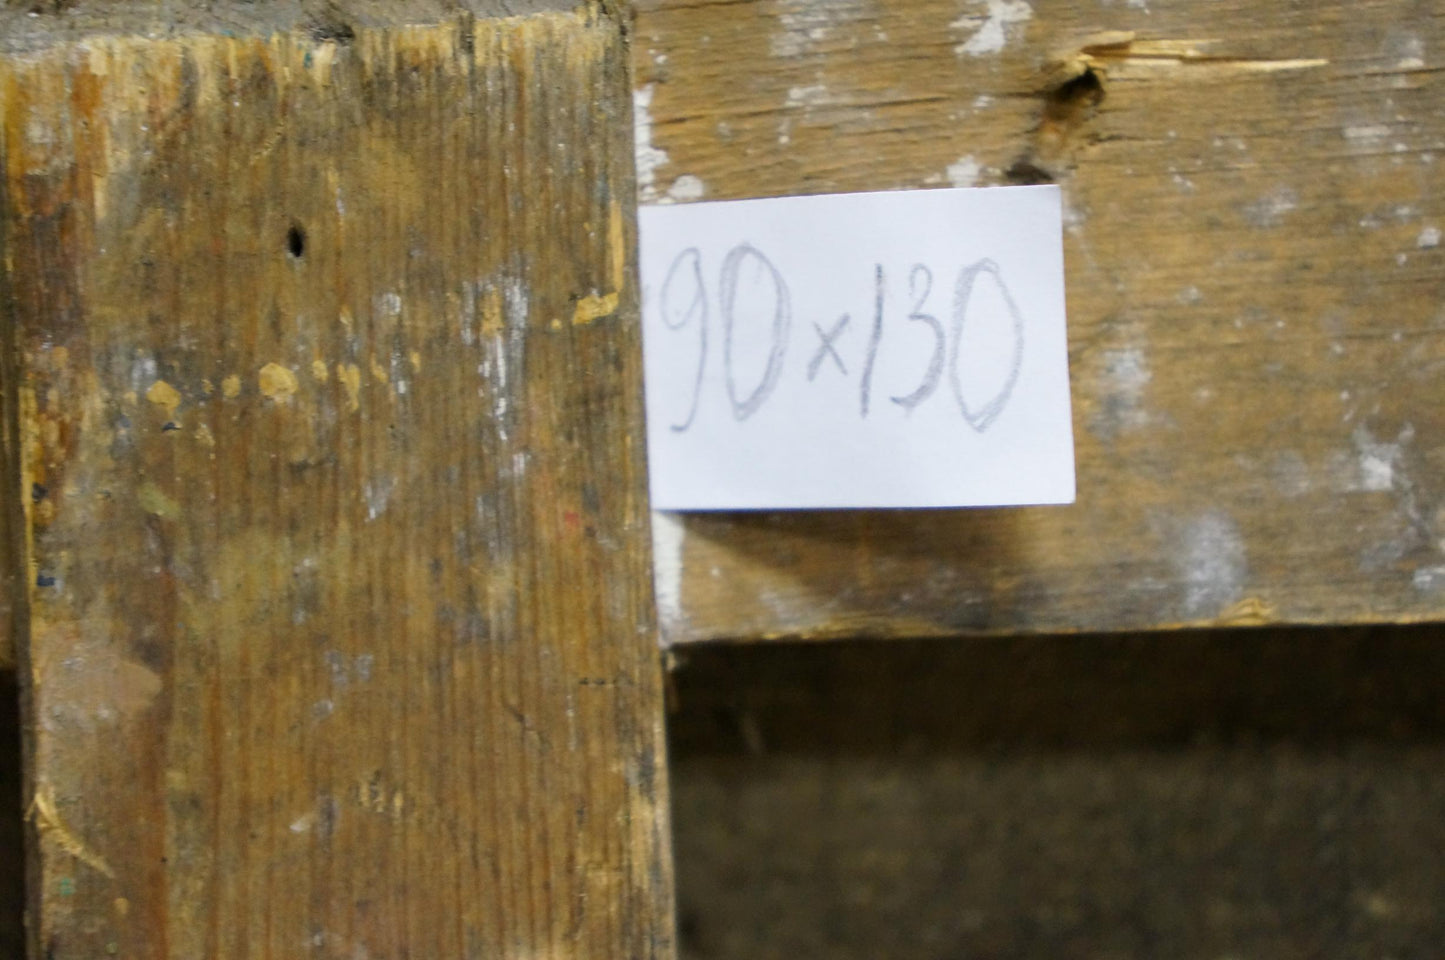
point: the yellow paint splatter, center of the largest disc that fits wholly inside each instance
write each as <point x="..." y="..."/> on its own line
<point x="204" y="436"/>
<point x="594" y="307"/>
<point x="345" y="317"/>
<point x="165" y="396"/>
<point x="231" y="387"/>
<point x="277" y="382"/>
<point x="415" y="359"/>
<point x="155" y="501"/>
<point x="350" y="376"/>
<point x="48" y="824"/>
<point x="617" y="245"/>
<point x="1251" y="611"/>
<point x="378" y="372"/>
<point x="319" y="58"/>
<point x="207" y="388"/>
<point x="318" y="370"/>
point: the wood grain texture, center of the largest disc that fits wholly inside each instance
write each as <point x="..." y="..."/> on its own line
<point x="340" y="636"/>
<point x="1254" y="205"/>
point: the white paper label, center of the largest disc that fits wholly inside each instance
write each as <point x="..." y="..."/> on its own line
<point x="900" y="349"/>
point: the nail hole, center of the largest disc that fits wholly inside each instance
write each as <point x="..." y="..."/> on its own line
<point x="1024" y="172"/>
<point x="296" y="242"/>
<point x="332" y="31"/>
<point x="1075" y="101"/>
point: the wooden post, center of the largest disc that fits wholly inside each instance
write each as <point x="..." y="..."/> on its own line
<point x="322" y="350"/>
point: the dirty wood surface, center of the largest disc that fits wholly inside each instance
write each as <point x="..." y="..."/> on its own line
<point x="1254" y="204"/>
<point x="340" y="635"/>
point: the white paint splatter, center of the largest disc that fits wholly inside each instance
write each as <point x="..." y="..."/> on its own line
<point x="1124" y="376"/>
<point x="963" y="172"/>
<point x="1410" y="51"/>
<point x="649" y="158"/>
<point x="1429" y="578"/>
<point x="514" y="296"/>
<point x="1377" y="462"/>
<point x="990" y="29"/>
<point x="1127" y="371"/>
<point x="1212" y="564"/>
<point x="1269" y="210"/>
<point x="806" y="24"/>
<point x="808" y="101"/>
<point x="686" y="188"/>
<point x="388" y="304"/>
<point x="1072" y="215"/>
<point x="1429" y="238"/>
<point x="667" y="538"/>
<point x="377" y="494"/>
<point x="1366" y="132"/>
<point x="142" y="372"/>
<point x="813" y="95"/>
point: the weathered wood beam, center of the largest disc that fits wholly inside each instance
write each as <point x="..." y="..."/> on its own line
<point x="322" y="350"/>
<point x="1255" y="200"/>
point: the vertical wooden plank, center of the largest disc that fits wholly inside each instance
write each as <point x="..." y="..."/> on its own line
<point x="341" y="638"/>
<point x="14" y="605"/>
<point x="12" y="512"/>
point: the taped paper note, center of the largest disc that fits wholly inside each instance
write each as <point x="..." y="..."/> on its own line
<point x="857" y="350"/>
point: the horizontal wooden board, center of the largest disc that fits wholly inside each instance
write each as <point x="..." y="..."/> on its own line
<point x="1254" y="204"/>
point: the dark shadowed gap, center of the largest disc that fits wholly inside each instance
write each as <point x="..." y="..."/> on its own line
<point x="1198" y="794"/>
<point x="12" y="833"/>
